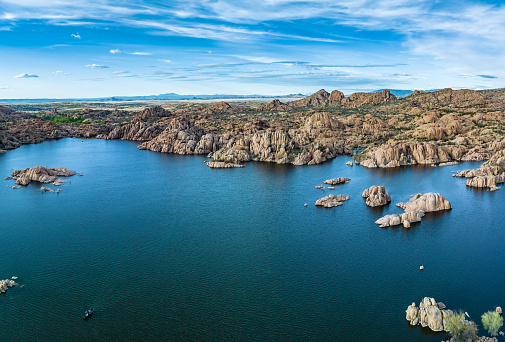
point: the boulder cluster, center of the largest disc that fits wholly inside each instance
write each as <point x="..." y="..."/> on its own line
<point x="429" y="314"/>
<point x="42" y="175"/>
<point x="376" y="196"/>
<point x="5" y="284"/>
<point x="415" y="209"/>
<point x="331" y="201"/>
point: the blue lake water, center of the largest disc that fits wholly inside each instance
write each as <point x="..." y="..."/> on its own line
<point x="166" y="248"/>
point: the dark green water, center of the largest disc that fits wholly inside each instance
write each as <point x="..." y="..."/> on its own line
<point x="167" y="249"/>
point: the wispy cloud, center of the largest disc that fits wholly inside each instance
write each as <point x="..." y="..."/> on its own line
<point x="5" y="87"/>
<point x="78" y="36"/>
<point x="60" y="72"/>
<point x="140" y="53"/>
<point x="488" y="76"/>
<point x="114" y="51"/>
<point x="26" y="76"/>
<point x="96" y="66"/>
<point x="120" y="72"/>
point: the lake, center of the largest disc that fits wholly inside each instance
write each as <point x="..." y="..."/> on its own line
<point x="165" y="248"/>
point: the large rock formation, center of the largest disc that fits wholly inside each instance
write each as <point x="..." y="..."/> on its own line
<point x="396" y="219"/>
<point x="394" y="155"/>
<point x="42" y="175"/>
<point x="376" y="196"/>
<point x="332" y="201"/>
<point x="427" y="203"/>
<point x="489" y="182"/>
<point x="135" y="131"/>
<point x="149" y="113"/>
<point x="428" y="314"/>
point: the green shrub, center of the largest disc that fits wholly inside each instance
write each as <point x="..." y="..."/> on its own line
<point x="460" y="329"/>
<point x="492" y="322"/>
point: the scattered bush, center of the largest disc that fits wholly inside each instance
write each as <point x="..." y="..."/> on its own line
<point x="492" y="322"/>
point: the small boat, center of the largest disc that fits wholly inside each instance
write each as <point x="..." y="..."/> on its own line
<point x="87" y="314"/>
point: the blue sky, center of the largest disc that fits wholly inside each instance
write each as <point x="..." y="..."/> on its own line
<point x="93" y="48"/>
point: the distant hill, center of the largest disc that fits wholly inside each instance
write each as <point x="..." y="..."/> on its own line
<point x="160" y="97"/>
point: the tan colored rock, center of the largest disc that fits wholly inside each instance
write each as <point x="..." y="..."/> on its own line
<point x="335" y="181"/>
<point x="155" y="112"/>
<point x="406" y="224"/>
<point x="136" y="131"/>
<point x="427" y="203"/>
<point x="42" y="175"/>
<point x="5" y="284"/>
<point x="222" y="165"/>
<point x="331" y="201"/>
<point x="350" y="163"/>
<point x="376" y="196"/>
<point x="486" y="181"/>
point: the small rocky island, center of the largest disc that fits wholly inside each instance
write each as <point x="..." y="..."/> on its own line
<point x="42" y="175"/>
<point x="415" y="209"/>
<point x="5" y="284"/>
<point x="376" y="196"/>
<point x="331" y="201"/>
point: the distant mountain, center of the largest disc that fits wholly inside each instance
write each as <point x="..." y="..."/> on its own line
<point x="160" y="97"/>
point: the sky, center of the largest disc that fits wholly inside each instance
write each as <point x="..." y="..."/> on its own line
<point x="98" y="48"/>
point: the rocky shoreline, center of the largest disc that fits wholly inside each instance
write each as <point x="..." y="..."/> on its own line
<point x="445" y="126"/>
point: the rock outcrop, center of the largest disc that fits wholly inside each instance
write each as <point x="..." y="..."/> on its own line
<point x="331" y="201"/>
<point x="335" y="181"/>
<point x="221" y="165"/>
<point x="5" y="284"/>
<point x="42" y="175"/>
<point x="149" y="113"/>
<point x="428" y="314"/>
<point x="427" y="203"/>
<point x="376" y="196"/>
<point x="394" y="155"/>
<point x="135" y="131"/>
<point x="489" y="182"/>
<point x="396" y="219"/>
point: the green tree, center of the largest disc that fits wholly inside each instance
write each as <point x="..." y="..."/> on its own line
<point x="460" y="329"/>
<point x="492" y="322"/>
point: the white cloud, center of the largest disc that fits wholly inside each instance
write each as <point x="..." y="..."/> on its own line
<point x="120" y="72"/>
<point x="166" y="60"/>
<point x="60" y="72"/>
<point x="78" y="36"/>
<point x="5" y="87"/>
<point x="96" y="66"/>
<point x="25" y="76"/>
<point x="115" y="51"/>
<point x="141" y="53"/>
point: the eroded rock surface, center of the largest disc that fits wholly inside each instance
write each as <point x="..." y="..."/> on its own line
<point x="331" y="201"/>
<point x="428" y="314"/>
<point x="221" y="165"/>
<point x="335" y="181"/>
<point x="376" y="196"/>
<point x="426" y="202"/>
<point x="42" y="175"/>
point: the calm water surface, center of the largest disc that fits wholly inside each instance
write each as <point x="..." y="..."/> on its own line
<point x="167" y="249"/>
